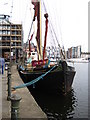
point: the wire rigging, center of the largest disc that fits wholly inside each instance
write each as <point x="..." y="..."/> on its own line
<point x="60" y="30"/>
<point x="62" y="53"/>
<point x="11" y="9"/>
<point x="25" y="15"/>
<point x="30" y="29"/>
<point x="52" y="30"/>
<point x="32" y="25"/>
<point x="49" y="24"/>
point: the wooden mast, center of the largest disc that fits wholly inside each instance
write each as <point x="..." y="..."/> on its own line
<point x="40" y="29"/>
<point x="46" y="30"/>
<point x="37" y="8"/>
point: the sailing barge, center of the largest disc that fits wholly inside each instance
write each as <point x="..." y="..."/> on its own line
<point x="53" y="78"/>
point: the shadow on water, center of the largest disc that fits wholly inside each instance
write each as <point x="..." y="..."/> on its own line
<point x="56" y="106"/>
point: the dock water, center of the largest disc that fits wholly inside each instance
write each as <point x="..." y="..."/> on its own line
<point x="28" y="106"/>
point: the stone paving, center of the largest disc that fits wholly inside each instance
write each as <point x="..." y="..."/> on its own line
<point x="28" y="106"/>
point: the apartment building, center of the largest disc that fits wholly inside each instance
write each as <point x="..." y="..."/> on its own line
<point x="10" y="39"/>
<point x="74" y="52"/>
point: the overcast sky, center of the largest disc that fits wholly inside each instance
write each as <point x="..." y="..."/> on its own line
<point x="69" y="18"/>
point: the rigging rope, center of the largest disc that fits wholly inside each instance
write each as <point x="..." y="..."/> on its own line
<point x="11" y="10"/>
<point x="32" y="25"/>
<point x="25" y="14"/>
<point x="61" y="51"/>
<point x="34" y="81"/>
<point x="30" y="29"/>
<point x="51" y="26"/>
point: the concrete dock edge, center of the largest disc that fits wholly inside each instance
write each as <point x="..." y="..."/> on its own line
<point x="29" y="109"/>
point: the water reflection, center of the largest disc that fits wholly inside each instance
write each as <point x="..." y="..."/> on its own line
<point x="56" y="106"/>
<point x="74" y="104"/>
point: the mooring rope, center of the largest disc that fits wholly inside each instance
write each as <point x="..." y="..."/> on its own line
<point x="33" y="81"/>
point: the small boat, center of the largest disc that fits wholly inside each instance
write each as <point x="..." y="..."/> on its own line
<point x="57" y="77"/>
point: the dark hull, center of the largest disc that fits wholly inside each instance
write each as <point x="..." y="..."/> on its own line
<point x="57" y="81"/>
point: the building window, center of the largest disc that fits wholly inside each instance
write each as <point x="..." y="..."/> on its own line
<point x="8" y="32"/>
<point x="0" y="27"/>
<point x="18" y="44"/>
<point x="0" y="44"/>
<point x="0" y="38"/>
<point x="0" y="32"/>
<point x="8" y="38"/>
<point x="4" y="38"/>
<point x="8" y="27"/>
<point x="4" y="32"/>
<point x="8" y="44"/>
<point x="4" y="27"/>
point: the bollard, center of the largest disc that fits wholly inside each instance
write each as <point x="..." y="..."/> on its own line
<point x="9" y="86"/>
<point x="8" y="71"/>
<point x="2" y="69"/>
<point x="15" y="101"/>
<point x="8" y="67"/>
<point x="5" y="66"/>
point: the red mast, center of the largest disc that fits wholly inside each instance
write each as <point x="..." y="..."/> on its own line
<point x="36" y="4"/>
<point x="46" y="23"/>
<point x="30" y="45"/>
